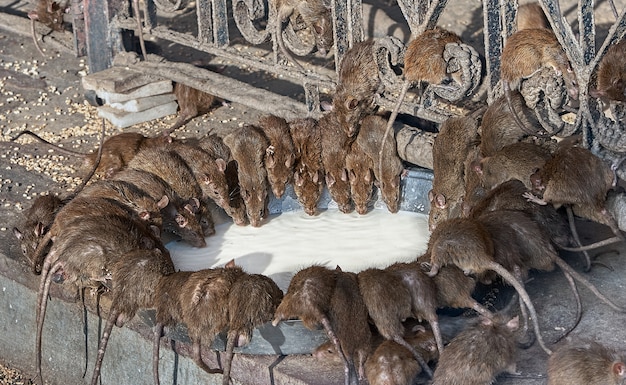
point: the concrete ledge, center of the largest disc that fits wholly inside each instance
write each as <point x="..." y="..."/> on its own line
<point x="128" y="358"/>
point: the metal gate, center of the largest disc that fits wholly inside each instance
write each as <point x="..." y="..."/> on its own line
<point x="223" y="26"/>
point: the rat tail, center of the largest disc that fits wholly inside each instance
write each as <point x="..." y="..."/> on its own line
<point x="565" y="267"/>
<point x="579" y="306"/>
<point x="42" y="140"/>
<point x="510" y="279"/>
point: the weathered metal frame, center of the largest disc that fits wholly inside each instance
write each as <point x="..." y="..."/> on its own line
<point x="255" y="19"/>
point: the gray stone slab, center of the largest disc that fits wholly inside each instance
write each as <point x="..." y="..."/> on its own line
<point x="150" y="89"/>
<point x="123" y="119"/>
<point x="145" y="103"/>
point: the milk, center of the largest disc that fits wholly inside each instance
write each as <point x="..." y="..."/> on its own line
<point x="292" y="240"/>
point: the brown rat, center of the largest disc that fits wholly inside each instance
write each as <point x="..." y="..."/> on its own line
<point x="479" y="353"/>
<point x="513" y="161"/>
<point x="117" y="150"/>
<point x="214" y="145"/>
<point x="424" y="62"/>
<point x="252" y="301"/>
<point x="179" y="216"/>
<point x="611" y="75"/>
<point x="191" y="103"/>
<point x="466" y="243"/>
<point x="168" y="311"/>
<point x="40" y="216"/>
<point x="316" y="15"/>
<point x="203" y="298"/>
<point x="133" y="279"/>
<point x="308" y="169"/>
<point x="357" y="85"/>
<point x="335" y="148"/>
<point x="80" y="207"/>
<point x="209" y="172"/>
<point x="526" y="52"/>
<point x="280" y="155"/>
<point x="393" y="364"/>
<point x="361" y="176"/>
<point x="348" y="317"/>
<point x="509" y="196"/>
<point x="248" y="145"/>
<point x="531" y="15"/>
<point x="129" y="195"/>
<point x="318" y="297"/>
<point x="388" y="168"/>
<point x="456" y="138"/>
<point x="172" y="168"/>
<point x="38" y="219"/>
<point x="423" y="292"/>
<point x="81" y="255"/>
<point x="510" y="232"/>
<point x="389" y="303"/>
<point x="586" y="362"/>
<point x="575" y="176"/>
<point x="498" y="127"/>
<point x="309" y="298"/>
<point x="49" y="13"/>
<point x="454" y="288"/>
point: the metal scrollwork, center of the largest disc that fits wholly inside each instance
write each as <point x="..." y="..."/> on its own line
<point x="547" y="95"/>
<point x="389" y="53"/>
<point x="460" y="57"/>
<point x="170" y="5"/>
<point x="247" y="14"/>
<point x="611" y="133"/>
<point x="298" y="39"/>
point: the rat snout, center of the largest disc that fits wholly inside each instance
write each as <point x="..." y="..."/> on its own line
<point x="278" y="191"/>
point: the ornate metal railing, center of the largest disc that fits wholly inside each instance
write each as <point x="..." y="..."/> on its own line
<point x="222" y="27"/>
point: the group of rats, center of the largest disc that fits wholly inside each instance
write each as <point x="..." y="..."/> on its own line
<point x="106" y="236"/>
<point x="496" y="186"/>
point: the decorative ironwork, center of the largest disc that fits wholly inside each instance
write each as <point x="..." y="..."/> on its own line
<point x="255" y="27"/>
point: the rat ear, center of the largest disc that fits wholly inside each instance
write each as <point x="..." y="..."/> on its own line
<point x="329" y="180"/>
<point x="270" y="160"/>
<point x="431" y="195"/>
<point x="440" y="201"/>
<point x="344" y="175"/>
<point x="338" y="268"/>
<point x="297" y="178"/>
<point x="39" y="229"/>
<point x="221" y="164"/>
<point x="163" y="202"/>
<point x="190" y="208"/>
<point x="318" y="28"/>
<point x="619" y="369"/>
<point x="181" y="220"/>
<point x="351" y="103"/>
<point x="513" y="324"/>
<point x="230" y="264"/>
<point x="326" y="106"/>
<point x="18" y="234"/>
<point x="477" y="166"/>
<point x="368" y="176"/>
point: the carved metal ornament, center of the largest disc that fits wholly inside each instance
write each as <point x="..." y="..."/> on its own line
<point x="601" y="125"/>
